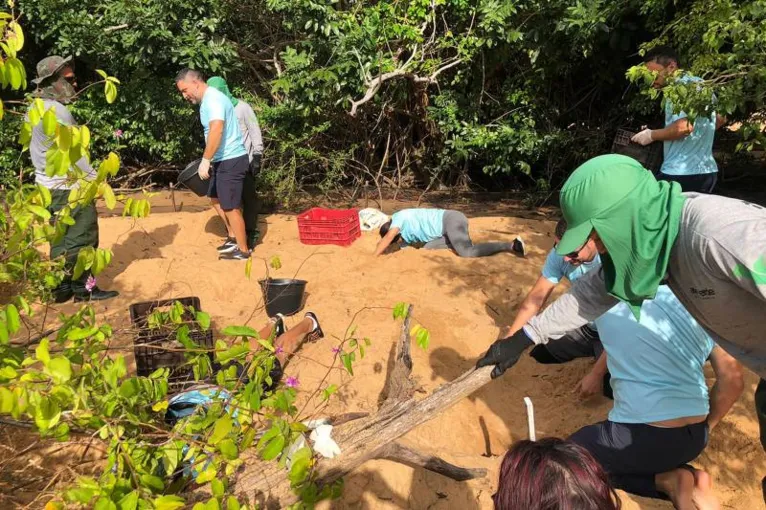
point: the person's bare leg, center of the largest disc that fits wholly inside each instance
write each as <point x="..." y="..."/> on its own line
<point x="237" y="223"/>
<point x="679" y="486"/>
<point x="291" y="341"/>
<point x="217" y="206"/>
<point x="703" y="496"/>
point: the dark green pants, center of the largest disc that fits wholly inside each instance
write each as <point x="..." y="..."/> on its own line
<point x="250" y="207"/>
<point x="82" y="234"/>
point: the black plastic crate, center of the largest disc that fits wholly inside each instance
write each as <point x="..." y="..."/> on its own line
<point x="650" y="156"/>
<point x="159" y="348"/>
<point x="140" y="312"/>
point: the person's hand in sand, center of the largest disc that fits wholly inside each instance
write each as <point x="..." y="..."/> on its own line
<point x="593" y="383"/>
<point x="505" y="353"/>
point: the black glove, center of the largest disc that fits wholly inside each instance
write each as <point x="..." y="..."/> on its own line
<point x="255" y="165"/>
<point x="505" y="352"/>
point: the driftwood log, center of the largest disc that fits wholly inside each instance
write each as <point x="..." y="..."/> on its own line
<point x="374" y="436"/>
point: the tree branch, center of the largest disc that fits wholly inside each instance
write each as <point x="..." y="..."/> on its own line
<point x="403" y="455"/>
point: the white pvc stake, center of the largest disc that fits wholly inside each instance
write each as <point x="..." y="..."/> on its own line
<point x="530" y="418"/>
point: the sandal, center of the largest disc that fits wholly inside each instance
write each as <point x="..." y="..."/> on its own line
<point x="317" y="332"/>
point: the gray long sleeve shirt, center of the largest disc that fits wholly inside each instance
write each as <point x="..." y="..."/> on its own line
<point x="717" y="270"/>
<point x="40" y="143"/>
<point x="248" y="126"/>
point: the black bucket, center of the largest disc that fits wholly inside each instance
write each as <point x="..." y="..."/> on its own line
<point x="191" y="179"/>
<point x="283" y="295"/>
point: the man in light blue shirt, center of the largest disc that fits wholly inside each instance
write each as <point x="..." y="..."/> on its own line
<point x="435" y="229"/>
<point x="226" y="153"/>
<point x="662" y="410"/>
<point x="688" y="148"/>
<point x="580" y="343"/>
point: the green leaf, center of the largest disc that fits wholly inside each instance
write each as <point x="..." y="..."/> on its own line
<point x="154" y="483"/>
<point x="17" y="37"/>
<point x="267" y="345"/>
<point x="47" y="414"/>
<point x="274" y="448"/>
<point x="7" y="400"/>
<point x="301" y="466"/>
<point x="248" y="267"/>
<point x="129" y="501"/>
<point x="40" y="212"/>
<point x="222" y="428"/>
<point x="41" y="352"/>
<point x="247" y="438"/>
<point x="203" y="319"/>
<point x="346" y="360"/>
<point x="102" y="73"/>
<point x="275" y="262"/>
<point x="423" y="338"/>
<point x="108" y="194"/>
<point x="169" y="502"/>
<point x="218" y="489"/>
<point x="110" y="91"/>
<point x="60" y="369"/>
<point x="328" y="392"/>
<point x="206" y="475"/>
<point x="400" y="310"/>
<point x="240" y="331"/>
<point x="232" y="503"/>
<point x="12" y="319"/>
<point x="104" y="503"/>
<point x="228" y="449"/>
<point x="160" y="406"/>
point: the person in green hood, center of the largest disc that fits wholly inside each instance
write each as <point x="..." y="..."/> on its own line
<point x="710" y="251"/>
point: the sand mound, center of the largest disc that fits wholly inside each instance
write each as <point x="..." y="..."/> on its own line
<point x="462" y="302"/>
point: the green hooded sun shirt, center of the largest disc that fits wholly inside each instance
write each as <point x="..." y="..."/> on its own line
<point x="220" y="84"/>
<point x="636" y="217"/>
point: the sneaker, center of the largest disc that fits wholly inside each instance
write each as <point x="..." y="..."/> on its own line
<point x="235" y="254"/>
<point x="228" y="246"/>
<point x="280" y="328"/>
<point x="317" y="332"/>
<point x="518" y="247"/>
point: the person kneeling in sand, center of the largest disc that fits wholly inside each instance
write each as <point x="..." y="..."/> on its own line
<point x="582" y="342"/>
<point x="436" y="229"/>
<point x="663" y="412"/>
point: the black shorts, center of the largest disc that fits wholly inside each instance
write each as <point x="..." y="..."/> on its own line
<point x="700" y="183"/>
<point x="227" y="181"/>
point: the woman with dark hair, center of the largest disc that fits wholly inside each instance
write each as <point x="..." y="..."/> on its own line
<point x="553" y="474"/>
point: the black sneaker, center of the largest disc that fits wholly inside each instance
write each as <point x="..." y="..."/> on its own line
<point x="518" y="247"/>
<point x="228" y="246"/>
<point x="95" y="295"/>
<point x="235" y="254"/>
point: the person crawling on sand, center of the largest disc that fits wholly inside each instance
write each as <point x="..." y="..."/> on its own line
<point x="436" y="229"/>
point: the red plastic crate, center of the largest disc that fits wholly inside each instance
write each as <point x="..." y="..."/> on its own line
<point x="329" y="226"/>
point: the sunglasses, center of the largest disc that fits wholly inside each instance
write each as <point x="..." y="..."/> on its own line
<point x="575" y="254"/>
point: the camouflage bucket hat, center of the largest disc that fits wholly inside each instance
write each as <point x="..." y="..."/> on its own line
<point x="49" y="66"/>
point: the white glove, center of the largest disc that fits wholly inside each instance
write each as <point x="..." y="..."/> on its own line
<point x="204" y="169"/>
<point x="643" y="138"/>
<point x="323" y="442"/>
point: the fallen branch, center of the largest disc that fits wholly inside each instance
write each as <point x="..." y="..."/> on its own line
<point x="403" y="455"/>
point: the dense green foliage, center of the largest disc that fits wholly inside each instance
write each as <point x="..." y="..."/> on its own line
<point x="500" y="92"/>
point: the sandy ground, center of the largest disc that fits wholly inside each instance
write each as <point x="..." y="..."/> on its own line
<point x="461" y="301"/>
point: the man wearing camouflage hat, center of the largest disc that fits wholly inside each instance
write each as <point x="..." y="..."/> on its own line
<point x="56" y="84"/>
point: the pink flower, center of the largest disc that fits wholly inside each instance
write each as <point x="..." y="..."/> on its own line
<point x="90" y="283"/>
<point x="336" y="350"/>
<point x="292" y="382"/>
<point x="279" y="350"/>
<point x="118" y="133"/>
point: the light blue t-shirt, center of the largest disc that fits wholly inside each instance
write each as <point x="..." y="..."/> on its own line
<point x="216" y="106"/>
<point x="693" y="154"/>
<point x="419" y="225"/>
<point x="656" y="364"/>
<point x="556" y="268"/>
